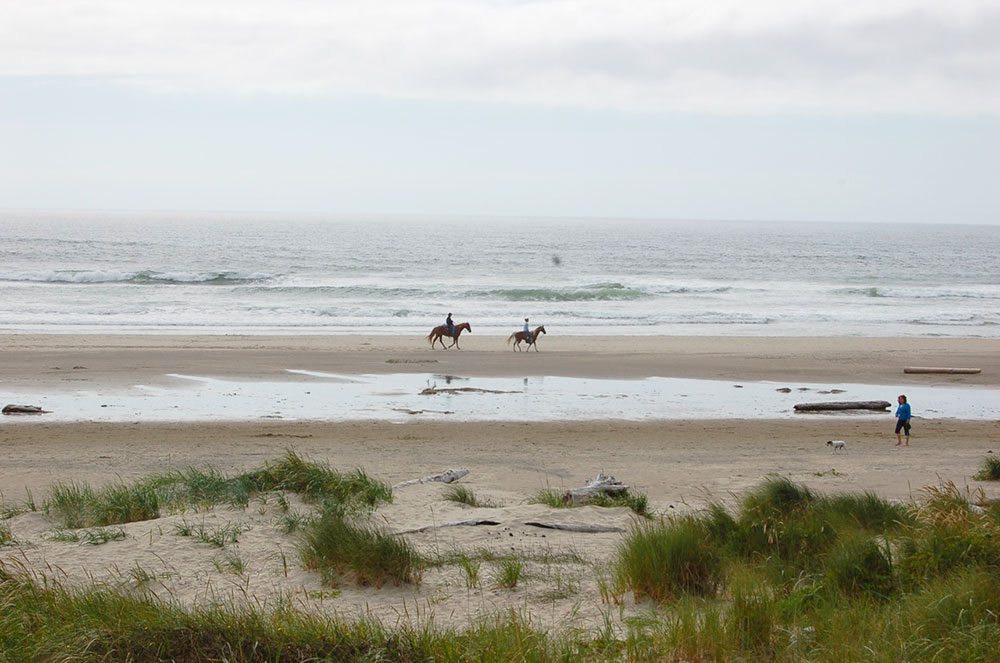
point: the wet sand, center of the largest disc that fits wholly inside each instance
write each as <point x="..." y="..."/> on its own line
<point x="68" y="360"/>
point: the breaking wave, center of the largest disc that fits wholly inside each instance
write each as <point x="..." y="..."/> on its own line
<point x="143" y="277"/>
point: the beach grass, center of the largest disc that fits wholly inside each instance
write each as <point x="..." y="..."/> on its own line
<point x="637" y="502"/>
<point x="990" y="469"/>
<point x="77" y="505"/>
<point x="94" y="537"/>
<point x="786" y="574"/>
<point x="318" y="482"/>
<point x="335" y="545"/>
<point x="666" y="560"/>
<point x="509" y="572"/>
<point x="462" y="495"/>
<point x="952" y="618"/>
<point x="217" y="537"/>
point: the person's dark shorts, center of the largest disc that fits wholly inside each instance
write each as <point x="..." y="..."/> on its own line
<point x="903" y="425"/>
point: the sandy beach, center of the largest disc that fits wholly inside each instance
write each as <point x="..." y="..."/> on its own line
<point x="48" y="360"/>
<point x="680" y="465"/>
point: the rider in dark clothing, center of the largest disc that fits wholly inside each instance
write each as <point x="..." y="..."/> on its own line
<point x="450" y="325"/>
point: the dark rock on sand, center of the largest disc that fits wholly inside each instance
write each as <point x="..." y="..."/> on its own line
<point x="23" y="409"/>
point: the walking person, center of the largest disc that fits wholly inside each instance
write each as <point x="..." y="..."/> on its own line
<point x="903" y="421"/>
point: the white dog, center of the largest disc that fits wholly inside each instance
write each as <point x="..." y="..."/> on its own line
<point x="838" y="445"/>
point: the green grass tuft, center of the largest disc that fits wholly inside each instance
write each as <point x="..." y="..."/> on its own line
<point x="463" y="495"/>
<point x="990" y="471"/>
<point x="6" y="537"/>
<point x="94" y="537"/>
<point x="637" y="502"/>
<point x="217" y="537"/>
<point x="317" y="482"/>
<point x="334" y="545"/>
<point x="860" y="566"/>
<point x="668" y="560"/>
<point x="78" y="505"/>
<point x="509" y="572"/>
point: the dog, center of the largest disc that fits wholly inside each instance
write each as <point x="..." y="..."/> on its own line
<point x="838" y="445"/>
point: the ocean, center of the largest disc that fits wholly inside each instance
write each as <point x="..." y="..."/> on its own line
<point x="121" y="272"/>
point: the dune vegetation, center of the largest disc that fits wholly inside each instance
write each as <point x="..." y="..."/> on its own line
<point x="787" y="574"/>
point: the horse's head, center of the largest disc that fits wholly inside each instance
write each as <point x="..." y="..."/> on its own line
<point x="466" y="326"/>
<point x="540" y="330"/>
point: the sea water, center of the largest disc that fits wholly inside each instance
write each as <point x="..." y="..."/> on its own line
<point x="274" y="273"/>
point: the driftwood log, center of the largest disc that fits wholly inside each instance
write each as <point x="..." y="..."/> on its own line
<point x="947" y="371"/>
<point x="23" y="409"/>
<point x="434" y="391"/>
<point x="576" y="527"/>
<point x="448" y="476"/>
<point x="454" y="523"/>
<point x="878" y="406"/>
<point x="602" y="484"/>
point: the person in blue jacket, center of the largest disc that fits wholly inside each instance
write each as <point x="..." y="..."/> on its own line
<point x="903" y="421"/>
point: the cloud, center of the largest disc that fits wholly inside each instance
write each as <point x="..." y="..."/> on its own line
<point x="718" y="56"/>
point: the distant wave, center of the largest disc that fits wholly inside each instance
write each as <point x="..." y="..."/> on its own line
<point x="143" y="277"/>
<point x="965" y="321"/>
<point x="864" y="292"/>
<point x="982" y="292"/>
<point x="604" y="292"/>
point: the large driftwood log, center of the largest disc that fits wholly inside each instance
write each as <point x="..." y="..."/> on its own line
<point x="454" y="523"/>
<point x="434" y="391"/>
<point x="601" y="484"/>
<point x="577" y="527"/>
<point x="947" y="371"/>
<point x="879" y="406"/>
<point x="448" y="476"/>
<point x="23" y="409"/>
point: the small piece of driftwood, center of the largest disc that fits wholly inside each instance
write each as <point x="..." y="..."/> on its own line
<point x="23" y="409"/>
<point x="434" y="391"/>
<point x="878" y="406"/>
<point x="574" y="527"/>
<point x="601" y="484"/>
<point x="454" y="523"/>
<point x="938" y="369"/>
<point x="448" y="476"/>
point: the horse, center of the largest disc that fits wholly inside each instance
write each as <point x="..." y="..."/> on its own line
<point x="441" y="331"/>
<point x="518" y="337"/>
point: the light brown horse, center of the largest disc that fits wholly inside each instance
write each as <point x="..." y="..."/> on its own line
<point x="518" y="338"/>
<point x="441" y="332"/>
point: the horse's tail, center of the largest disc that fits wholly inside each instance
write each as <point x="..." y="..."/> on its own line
<point x="511" y="338"/>
<point x="430" y="336"/>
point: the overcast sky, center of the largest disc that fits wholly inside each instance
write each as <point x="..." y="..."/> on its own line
<point x="883" y="110"/>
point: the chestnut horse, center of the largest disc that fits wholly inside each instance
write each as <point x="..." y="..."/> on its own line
<point x="441" y="332"/>
<point x="518" y="338"/>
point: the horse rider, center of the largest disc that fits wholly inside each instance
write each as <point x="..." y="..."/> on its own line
<point x="527" y="332"/>
<point x="450" y="324"/>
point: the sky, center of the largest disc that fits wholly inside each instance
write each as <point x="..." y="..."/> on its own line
<point x="688" y="109"/>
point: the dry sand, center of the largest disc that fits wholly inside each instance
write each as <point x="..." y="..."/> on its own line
<point x="680" y="464"/>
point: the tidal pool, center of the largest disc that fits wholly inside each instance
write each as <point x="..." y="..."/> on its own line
<point x="407" y="396"/>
